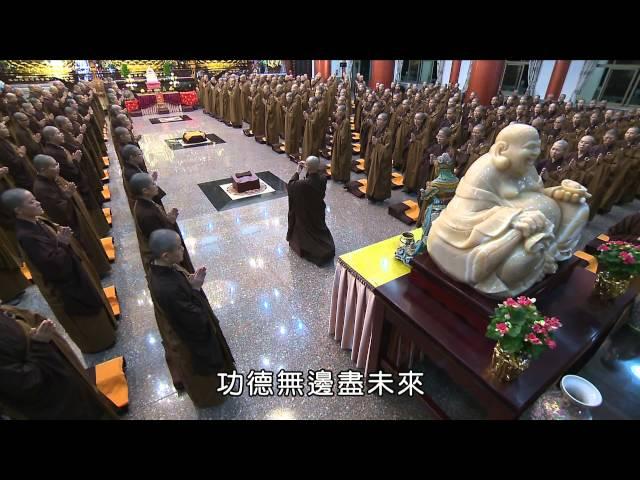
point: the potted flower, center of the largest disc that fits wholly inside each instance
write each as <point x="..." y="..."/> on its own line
<point x="618" y="263"/>
<point x="522" y="333"/>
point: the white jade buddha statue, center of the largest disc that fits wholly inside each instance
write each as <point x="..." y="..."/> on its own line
<point x="503" y="231"/>
<point x="151" y="76"/>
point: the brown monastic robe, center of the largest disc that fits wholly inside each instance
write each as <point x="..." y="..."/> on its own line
<point x="71" y="212"/>
<point x="271" y="121"/>
<point x="307" y="233"/>
<point x="12" y="282"/>
<point x="235" y="106"/>
<point x="627" y="230"/>
<point x="293" y="127"/>
<point x="380" y="165"/>
<point x="149" y="217"/>
<point x="341" y="154"/>
<point x="20" y="168"/>
<point x="311" y="131"/>
<point x="246" y="104"/>
<point x="414" y="157"/>
<point x="400" y="145"/>
<point x="195" y="334"/>
<point x="258" y="116"/>
<point x="43" y="380"/>
<point x="466" y="158"/>
<point x="70" y="285"/>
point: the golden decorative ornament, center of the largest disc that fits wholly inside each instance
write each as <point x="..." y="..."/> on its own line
<point x="506" y="366"/>
<point x="609" y="287"/>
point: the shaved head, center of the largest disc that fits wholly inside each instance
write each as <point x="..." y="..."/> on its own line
<point x="42" y="162"/>
<point x="313" y="164"/>
<point x="139" y="182"/>
<point x="14" y="198"/>
<point x="163" y="241"/>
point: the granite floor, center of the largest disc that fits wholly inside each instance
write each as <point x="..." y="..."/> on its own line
<point x="273" y="306"/>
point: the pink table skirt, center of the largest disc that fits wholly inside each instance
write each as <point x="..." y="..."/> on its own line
<point x="354" y="308"/>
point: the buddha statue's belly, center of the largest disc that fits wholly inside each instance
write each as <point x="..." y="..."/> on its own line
<point x="539" y="201"/>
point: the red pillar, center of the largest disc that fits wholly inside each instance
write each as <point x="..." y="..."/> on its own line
<point x="485" y="79"/>
<point x="323" y="67"/>
<point x="558" y="76"/>
<point x="381" y="72"/>
<point x="455" y="72"/>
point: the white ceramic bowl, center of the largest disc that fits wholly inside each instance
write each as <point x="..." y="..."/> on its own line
<point x="581" y="391"/>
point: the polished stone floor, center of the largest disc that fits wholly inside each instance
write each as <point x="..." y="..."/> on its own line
<point x="273" y="306"/>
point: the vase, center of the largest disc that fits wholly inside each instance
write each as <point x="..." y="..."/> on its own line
<point x="573" y="401"/>
<point x="608" y="286"/>
<point x="506" y="366"/>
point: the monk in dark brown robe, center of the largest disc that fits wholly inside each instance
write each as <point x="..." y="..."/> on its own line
<point x="235" y="104"/>
<point x="311" y="130"/>
<point x="307" y="233"/>
<point x="416" y="143"/>
<point x="292" y="112"/>
<point x="626" y="230"/>
<point x="399" y="155"/>
<point x="63" y="273"/>
<point x="368" y="129"/>
<point x="212" y="106"/>
<point x="257" y="114"/>
<point x="40" y="376"/>
<point x="62" y="204"/>
<point x="245" y="93"/>
<point x="427" y="170"/>
<point x="151" y="216"/>
<point x="380" y="163"/>
<point x="202" y="351"/>
<point x="75" y="169"/>
<point x="271" y="123"/>
<point x="472" y="150"/>
<point x="623" y="184"/>
<point x="554" y="168"/>
<point x="21" y="170"/>
<point x="342" y="148"/>
<point x="24" y="136"/>
<point x="12" y="281"/>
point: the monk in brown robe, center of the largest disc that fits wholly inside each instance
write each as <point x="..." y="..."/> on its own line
<point x="257" y="114"/>
<point x="307" y="233"/>
<point x="41" y="378"/>
<point x="235" y="104"/>
<point x="626" y="230"/>
<point x="558" y="132"/>
<point x="75" y="169"/>
<point x="63" y="274"/>
<point x="245" y="93"/>
<point x="292" y="124"/>
<point x="630" y="152"/>
<point x="380" y="163"/>
<point x="24" y="136"/>
<point x="63" y="205"/>
<point x="212" y="107"/>
<point x="575" y="132"/>
<point x="342" y="148"/>
<point x="311" y="130"/>
<point x="442" y="144"/>
<point x="280" y="102"/>
<point x="399" y="155"/>
<point x="553" y="168"/>
<point x="368" y="128"/>
<point x="151" y="216"/>
<point x="202" y="351"/>
<point x="271" y="121"/>
<point x="473" y="149"/>
<point x="14" y="158"/>
<point x="415" y="144"/>
<point x="12" y="282"/>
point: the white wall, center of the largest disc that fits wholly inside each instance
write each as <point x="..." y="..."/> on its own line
<point x="572" y="77"/>
<point x="543" y="79"/>
<point x="447" y="71"/>
<point x="464" y="71"/>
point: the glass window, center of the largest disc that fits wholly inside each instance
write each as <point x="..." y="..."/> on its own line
<point x="617" y="85"/>
<point x="410" y="70"/>
<point x="635" y="96"/>
<point x="510" y="78"/>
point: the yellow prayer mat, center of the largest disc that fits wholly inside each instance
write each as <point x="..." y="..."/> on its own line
<point x="112" y="296"/>
<point x="109" y="248"/>
<point x="328" y="171"/>
<point x="105" y="160"/>
<point x="360" y="165"/>
<point x="106" y="193"/>
<point x="26" y="272"/>
<point x="603" y="237"/>
<point x="363" y="187"/>
<point x="356" y="148"/>
<point x="353" y="127"/>
<point x="355" y="136"/>
<point x="397" y="179"/>
<point x="111" y="381"/>
<point x="281" y="147"/>
<point x="105" y="176"/>
<point x="414" y="210"/>
<point x="593" y="261"/>
<point x="107" y="215"/>
<point x="376" y="263"/>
